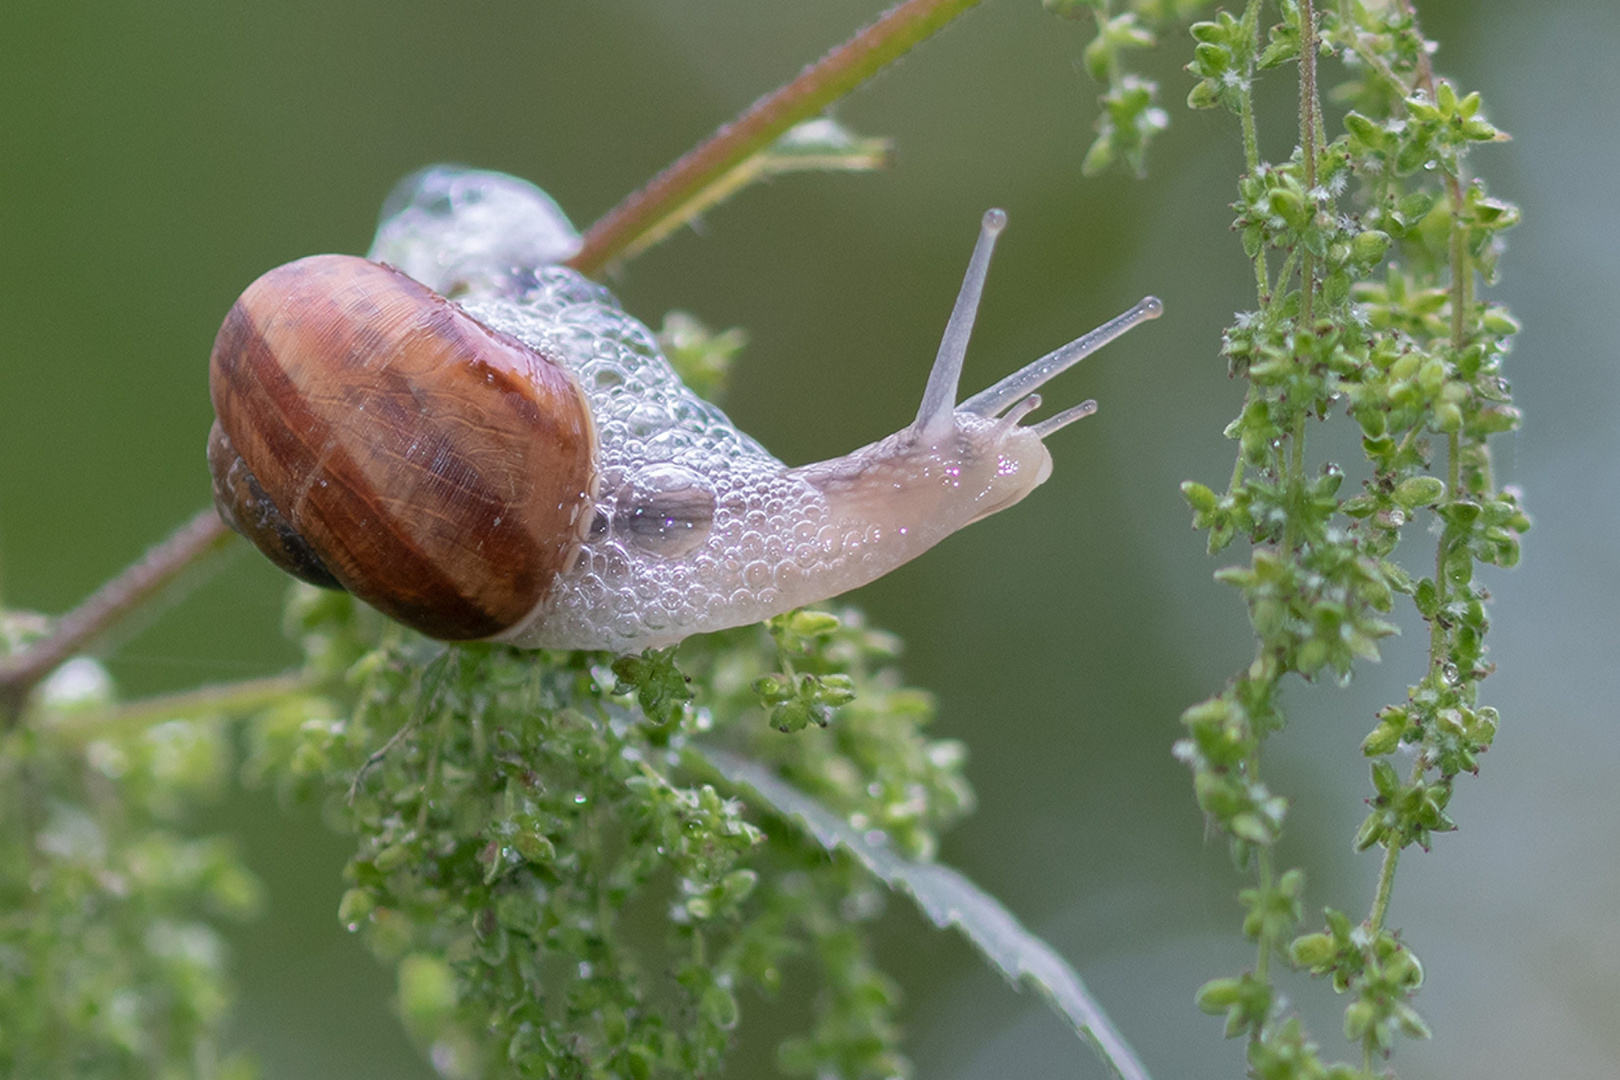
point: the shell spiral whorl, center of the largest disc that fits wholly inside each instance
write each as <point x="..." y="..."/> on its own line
<point x="433" y="468"/>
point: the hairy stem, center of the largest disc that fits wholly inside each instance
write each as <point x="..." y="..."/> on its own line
<point x="818" y="86"/>
<point x="1251" y="138"/>
<point x="1308" y="140"/>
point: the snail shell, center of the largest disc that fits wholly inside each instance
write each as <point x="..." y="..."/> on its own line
<point x="523" y="464"/>
<point x="435" y="468"/>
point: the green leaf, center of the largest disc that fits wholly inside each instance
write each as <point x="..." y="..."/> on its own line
<point x="948" y="899"/>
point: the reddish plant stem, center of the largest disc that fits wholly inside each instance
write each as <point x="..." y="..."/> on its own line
<point x="818" y="86"/>
<point x="129" y="591"/>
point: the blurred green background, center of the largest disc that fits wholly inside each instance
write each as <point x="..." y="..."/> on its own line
<point x="156" y="157"/>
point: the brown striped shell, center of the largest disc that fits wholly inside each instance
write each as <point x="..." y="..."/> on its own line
<point x="439" y="470"/>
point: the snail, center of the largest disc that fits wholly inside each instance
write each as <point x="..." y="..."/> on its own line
<point x="480" y="443"/>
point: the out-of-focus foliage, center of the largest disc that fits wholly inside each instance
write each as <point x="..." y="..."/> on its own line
<point x="110" y="962"/>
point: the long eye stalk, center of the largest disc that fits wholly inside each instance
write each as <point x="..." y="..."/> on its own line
<point x="991" y="401"/>
<point x="939" y="397"/>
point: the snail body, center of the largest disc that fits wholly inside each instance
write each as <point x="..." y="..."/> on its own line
<point x="522" y="464"/>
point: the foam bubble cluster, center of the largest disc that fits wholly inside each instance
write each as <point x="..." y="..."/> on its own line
<point x="695" y="525"/>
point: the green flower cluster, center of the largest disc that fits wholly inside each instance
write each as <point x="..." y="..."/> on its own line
<point x="1382" y="239"/>
<point x="545" y="856"/>
<point x="110" y="962"/>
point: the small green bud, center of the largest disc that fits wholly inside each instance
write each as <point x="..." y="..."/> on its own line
<point x="427" y="990"/>
<point x="1497" y="418"/>
<point x="1312" y="951"/>
<point x="355" y="907"/>
<point x="1431" y="376"/>
<point x="1206" y="94"/>
<point x="775" y="688"/>
<point x="793" y="716"/>
<point x="813" y="623"/>
<point x="1215" y="710"/>
<point x="738" y="885"/>
<point x="1385" y="779"/>
<point x="1210" y="61"/>
<point x="535" y="847"/>
<point x="1497" y="321"/>
<point x="1369" y="247"/>
<point x="1250" y="827"/>
<point x="832" y="690"/>
<point x="1411" y="1024"/>
<point x="393" y="857"/>
<point x="1427" y="598"/>
<point x="1462" y="513"/>
<point x="1199" y="497"/>
<point x="1218" y="995"/>
<point x="1311" y="656"/>
<point x="1405" y="969"/>
<point x="719" y="1007"/>
<point x="1286" y="204"/>
<point x="1385" y="738"/>
<point x="1364" y="130"/>
<point x="1096" y="57"/>
<point x="1378" y="446"/>
<point x="1418" y="491"/>
<point x="1098" y="157"/>
<point x="1217" y="796"/>
<point x="1371" y="831"/>
<point x="1358" y="1017"/>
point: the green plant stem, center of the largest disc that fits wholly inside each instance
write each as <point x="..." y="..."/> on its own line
<point x="136" y="587"/>
<point x="1460" y="270"/>
<point x="818" y="86"/>
<point x="1296" y="474"/>
<point x="1386" y="884"/>
<point x="217" y="699"/>
<point x="1308" y="107"/>
<point x="1251" y="137"/>
<point x="1307" y="91"/>
<point x="1453" y="463"/>
<point x="1276" y="293"/>
<point x="1307" y="263"/>
<point x="1262" y="961"/>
